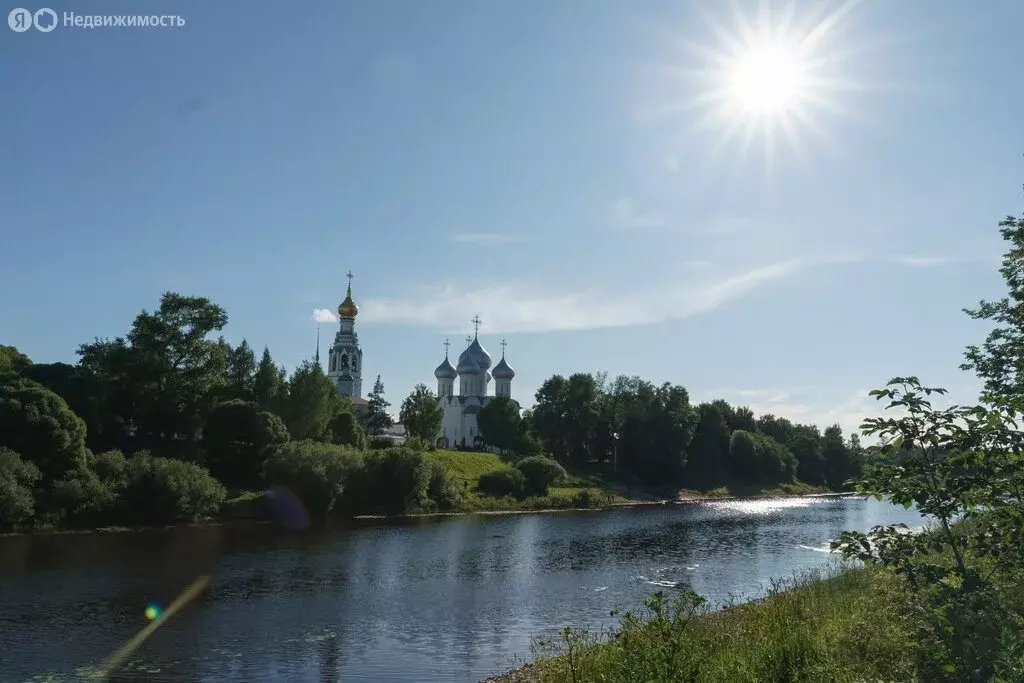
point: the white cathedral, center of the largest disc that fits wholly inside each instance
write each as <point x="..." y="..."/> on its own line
<point x="459" y="427"/>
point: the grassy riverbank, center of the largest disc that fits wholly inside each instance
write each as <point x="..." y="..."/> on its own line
<point x="844" y="625"/>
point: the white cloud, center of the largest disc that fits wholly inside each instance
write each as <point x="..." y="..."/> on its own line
<point x="522" y="307"/>
<point x="484" y="238"/>
<point x="625" y="214"/>
<point x="324" y="315"/>
<point x="916" y="261"/>
<point x="672" y="164"/>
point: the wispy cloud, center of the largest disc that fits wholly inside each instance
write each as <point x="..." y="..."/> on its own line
<point x="625" y="214"/>
<point x="917" y="261"/>
<point x="484" y="238"/>
<point x="521" y="307"/>
<point x="324" y="315"/>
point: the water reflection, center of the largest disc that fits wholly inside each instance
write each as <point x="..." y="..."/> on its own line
<point x="425" y="600"/>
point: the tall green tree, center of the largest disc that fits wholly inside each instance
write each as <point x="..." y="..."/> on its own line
<point x="13" y="360"/>
<point x="268" y="384"/>
<point x="999" y="361"/>
<point x="235" y="438"/>
<point x="421" y="415"/>
<point x="311" y="400"/>
<point x="38" y="425"/>
<point x="501" y="425"/>
<point x="839" y="462"/>
<point x="171" y="370"/>
<point x="708" y="452"/>
<point x="377" y="418"/>
<point x="241" y="372"/>
<point x="345" y="430"/>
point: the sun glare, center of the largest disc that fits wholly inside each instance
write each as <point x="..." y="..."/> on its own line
<point x="766" y="79"/>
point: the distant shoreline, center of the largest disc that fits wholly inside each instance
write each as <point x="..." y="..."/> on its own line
<point x="684" y="499"/>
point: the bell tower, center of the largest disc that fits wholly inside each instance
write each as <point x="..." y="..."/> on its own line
<point x="345" y="359"/>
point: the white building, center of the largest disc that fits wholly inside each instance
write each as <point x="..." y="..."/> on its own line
<point x="459" y="427"/>
<point x="345" y="358"/>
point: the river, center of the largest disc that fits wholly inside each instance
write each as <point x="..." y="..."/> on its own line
<point x="432" y="599"/>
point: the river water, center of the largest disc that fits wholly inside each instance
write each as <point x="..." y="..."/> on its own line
<point x="439" y="599"/>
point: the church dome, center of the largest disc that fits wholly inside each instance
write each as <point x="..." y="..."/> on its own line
<point x="478" y="355"/>
<point x="445" y="370"/>
<point x="502" y="370"/>
<point x="466" y="365"/>
<point x="348" y="308"/>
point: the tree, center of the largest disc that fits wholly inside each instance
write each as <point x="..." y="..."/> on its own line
<point x="84" y="394"/>
<point x="235" y="438"/>
<point x="999" y="362"/>
<point x="39" y="425"/>
<point x="167" y="367"/>
<point x="13" y="360"/>
<point x="241" y="372"/>
<point x="310" y="402"/>
<point x="377" y="418"/>
<point x="268" y="383"/>
<point x="420" y="413"/>
<point x="708" y="452"/>
<point x="839" y="461"/>
<point x="501" y="425"/>
<point x="17" y="479"/>
<point x="345" y="430"/>
<point x="539" y="473"/>
<point x="741" y="417"/>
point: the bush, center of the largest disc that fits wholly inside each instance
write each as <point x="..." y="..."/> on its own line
<point x="441" y="490"/>
<point x="417" y="443"/>
<point x="393" y="481"/>
<point x="160" y="490"/>
<point x="17" y="478"/>
<point x="90" y="495"/>
<point x="345" y="430"/>
<point x="236" y="436"/>
<point x="540" y="473"/>
<point x="317" y="473"/>
<point x="39" y="425"/>
<point x="499" y="483"/>
<point x="380" y="443"/>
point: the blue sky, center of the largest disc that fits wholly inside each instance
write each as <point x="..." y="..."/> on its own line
<point x="560" y="168"/>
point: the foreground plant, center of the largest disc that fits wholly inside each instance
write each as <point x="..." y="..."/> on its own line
<point x="961" y="467"/>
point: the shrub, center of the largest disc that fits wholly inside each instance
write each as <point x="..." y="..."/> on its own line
<point x="379" y="443"/>
<point x="39" y="425"/>
<point x="540" y="473"/>
<point x="317" y="473"/>
<point x="164" y="490"/>
<point x="441" y="490"/>
<point x="235" y="438"/>
<point x="89" y="495"/>
<point x="499" y="483"/>
<point x="417" y="443"/>
<point x="394" y="481"/>
<point x="345" y="430"/>
<point x="16" y="480"/>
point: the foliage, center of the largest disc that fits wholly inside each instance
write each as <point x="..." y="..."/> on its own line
<point x="89" y="495"/>
<point x="394" y="481"/>
<point x="39" y="425"/>
<point x="235" y="438"/>
<point x="999" y="361"/>
<point x="162" y="490"/>
<point x="502" y="426"/>
<point x="311" y="401"/>
<point x="241" y="372"/>
<point x="17" y="478"/>
<point x="420" y="413"/>
<point x="85" y="394"/>
<point x="13" y="360"/>
<point x="708" y="451"/>
<point x="377" y="418"/>
<point x="442" y="491"/>
<point x="761" y="458"/>
<point x="166" y="374"/>
<point x="268" y="383"/>
<point x="845" y="627"/>
<point x="539" y="473"/>
<point x="317" y="473"/>
<point x="507" y="482"/>
<point x="345" y="430"/>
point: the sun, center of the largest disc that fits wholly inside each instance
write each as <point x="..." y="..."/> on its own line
<point x="767" y="79"/>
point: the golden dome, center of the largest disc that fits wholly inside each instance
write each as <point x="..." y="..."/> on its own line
<point x="348" y="308"/>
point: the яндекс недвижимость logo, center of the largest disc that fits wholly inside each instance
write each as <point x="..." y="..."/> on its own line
<point x="21" y="20"/>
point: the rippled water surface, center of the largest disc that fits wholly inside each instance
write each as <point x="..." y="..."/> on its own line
<point x="448" y="599"/>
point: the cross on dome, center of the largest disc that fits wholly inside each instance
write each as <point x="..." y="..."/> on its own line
<point x="446" y="345"/>
<point x="503" y="345"/>
<point x="476" y="324"/>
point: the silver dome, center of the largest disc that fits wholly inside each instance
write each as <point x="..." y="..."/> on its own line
<point x="478" y="355"/>
<point x="445" y="370"/>
<point x="502" y="370"/>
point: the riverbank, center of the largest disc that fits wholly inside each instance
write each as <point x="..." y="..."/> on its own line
<point x="839" y="625"/>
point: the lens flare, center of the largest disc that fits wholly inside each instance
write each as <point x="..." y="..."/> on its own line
<point x="153" y="612"/>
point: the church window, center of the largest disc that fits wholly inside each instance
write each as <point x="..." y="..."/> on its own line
<point x="344" y="362"/>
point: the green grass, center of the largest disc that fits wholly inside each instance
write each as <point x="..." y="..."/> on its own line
<point x="465" y="467"/>
<point x="844" y="626"/>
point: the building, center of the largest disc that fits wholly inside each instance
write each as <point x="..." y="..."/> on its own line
<point x="345" y="357"/>
<point x="459" y="426"/>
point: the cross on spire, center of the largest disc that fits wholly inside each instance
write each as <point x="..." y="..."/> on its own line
<point x="476" y="324"/>
<point x="468" y="339"/>
<point x="446" y="345"/>
<point x="503" y="345"/>
<point x="349" y="276"/>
